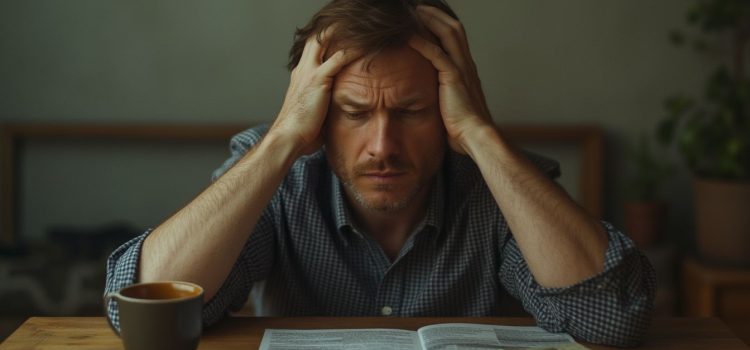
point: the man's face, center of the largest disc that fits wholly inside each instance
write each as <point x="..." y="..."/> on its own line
<point x="385" y="138"/>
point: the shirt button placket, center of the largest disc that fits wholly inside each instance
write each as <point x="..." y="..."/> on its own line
<point x="386" y="311"/>
<point x="382" y="302"/>
<point x="388" y="294"/>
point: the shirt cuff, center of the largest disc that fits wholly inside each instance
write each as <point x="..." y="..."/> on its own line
<point x="122" y="267"/>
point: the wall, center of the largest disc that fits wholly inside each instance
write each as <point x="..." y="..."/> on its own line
<point x="603" y="62"/>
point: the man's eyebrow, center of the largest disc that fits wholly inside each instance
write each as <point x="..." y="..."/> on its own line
<point x="347" y="100"/>
<point x="403" y="103"/>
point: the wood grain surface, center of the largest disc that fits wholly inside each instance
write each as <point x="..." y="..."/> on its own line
<point x="246" y="332"/>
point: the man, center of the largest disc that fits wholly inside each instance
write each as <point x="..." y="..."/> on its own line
<point x="384" y="188"/>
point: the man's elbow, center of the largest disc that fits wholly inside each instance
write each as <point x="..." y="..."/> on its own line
<point x="627" y="331"/>
<point x="626" y="326"/>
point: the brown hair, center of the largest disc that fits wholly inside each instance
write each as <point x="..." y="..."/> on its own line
<point x="366" y="25"/>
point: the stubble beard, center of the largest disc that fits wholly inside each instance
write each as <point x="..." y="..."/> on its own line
<point x="347" y="178"/>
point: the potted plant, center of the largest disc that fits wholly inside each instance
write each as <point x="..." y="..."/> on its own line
<point x="644" y="209"/>
<point x="713" y="132"/>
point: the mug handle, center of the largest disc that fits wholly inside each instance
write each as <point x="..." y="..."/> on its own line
<point x="107" y="298"/>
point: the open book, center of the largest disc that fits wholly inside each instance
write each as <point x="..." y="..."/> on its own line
<point x="433" y="337"/>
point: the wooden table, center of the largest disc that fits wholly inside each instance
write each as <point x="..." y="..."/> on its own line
<point x="245" y="333"/>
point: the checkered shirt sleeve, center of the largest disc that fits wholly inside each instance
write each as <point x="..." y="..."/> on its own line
<point x="613" y="307"/>
<point x="122" y="266"/>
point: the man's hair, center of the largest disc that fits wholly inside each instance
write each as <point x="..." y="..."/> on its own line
<point x="369" y="26"/>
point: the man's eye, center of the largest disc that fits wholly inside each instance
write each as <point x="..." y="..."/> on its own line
<point x="355" y="115"/>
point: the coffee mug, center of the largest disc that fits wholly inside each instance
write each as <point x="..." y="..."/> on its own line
<point x="158" y="315"/>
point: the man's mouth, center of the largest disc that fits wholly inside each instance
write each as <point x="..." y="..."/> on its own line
<point x="385" y="173"/>
<point x="386" y="176"/>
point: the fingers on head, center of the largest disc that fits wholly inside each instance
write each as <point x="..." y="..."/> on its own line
<point x="432" y="52"/>
<point x="325" y="38"/>
<point x="316" y="46"/>
<point x="440" y="18"/>
<point x="449" y="31"/>
<point x="311" y="51"/>
<point x="337" y="61"/>
<point x="326" y="34"/>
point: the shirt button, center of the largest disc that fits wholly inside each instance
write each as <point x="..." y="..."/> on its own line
<point x="386" y="311"/>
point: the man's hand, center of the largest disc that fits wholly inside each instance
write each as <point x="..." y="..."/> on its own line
<point x="462" y="102"/>
<point x="306" y="102"/>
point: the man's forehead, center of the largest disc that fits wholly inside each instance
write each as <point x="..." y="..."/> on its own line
<point x="360" y="92"/>
<point x="403" y="69"/>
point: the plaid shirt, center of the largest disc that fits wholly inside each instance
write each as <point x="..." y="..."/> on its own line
<point x="305" y="257"/>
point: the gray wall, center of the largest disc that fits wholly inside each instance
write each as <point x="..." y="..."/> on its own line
<point x="602" y="62"/>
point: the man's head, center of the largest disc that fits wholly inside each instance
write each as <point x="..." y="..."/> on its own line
<point x="384" y="135"/>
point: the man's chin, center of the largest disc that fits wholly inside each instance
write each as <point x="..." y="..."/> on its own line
<point x="384" y="206"/>
<point x="383" y="197"/>
<point x="383" y="202"/>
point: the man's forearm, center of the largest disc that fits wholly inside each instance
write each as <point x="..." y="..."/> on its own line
<point x="202" y="241"/>
<point x="560" y="242"/>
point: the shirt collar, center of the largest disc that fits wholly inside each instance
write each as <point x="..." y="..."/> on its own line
<point x="435" y="207"/>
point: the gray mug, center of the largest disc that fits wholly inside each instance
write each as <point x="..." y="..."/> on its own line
<point x="158" y="315"/>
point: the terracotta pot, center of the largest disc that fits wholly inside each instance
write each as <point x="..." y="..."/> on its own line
<point x="644" y="221"/>
<point x="722" y="221"/>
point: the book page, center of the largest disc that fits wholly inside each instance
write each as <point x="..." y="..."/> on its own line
<point x="360" y="339"/>
<point x="479" y="336"/>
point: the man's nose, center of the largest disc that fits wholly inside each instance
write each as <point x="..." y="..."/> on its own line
<point x="383" y="136"/>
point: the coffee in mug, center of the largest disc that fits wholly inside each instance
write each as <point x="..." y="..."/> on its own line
<point x="158" y="315"/>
